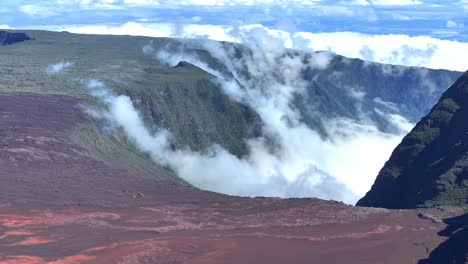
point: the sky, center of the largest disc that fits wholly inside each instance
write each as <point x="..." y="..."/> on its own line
<point x="435" y="30"/>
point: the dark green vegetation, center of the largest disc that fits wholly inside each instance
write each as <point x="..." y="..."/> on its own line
<point x="430" y="166"/>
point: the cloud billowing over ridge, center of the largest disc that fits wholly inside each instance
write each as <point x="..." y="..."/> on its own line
<point x="398" y="49"/>
<point x="218" y="170"/>
<point x="299" y="162"/>
<point x="290" y="159"/>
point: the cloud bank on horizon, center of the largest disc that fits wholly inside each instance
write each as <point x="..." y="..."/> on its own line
<point x="398" y="49"/>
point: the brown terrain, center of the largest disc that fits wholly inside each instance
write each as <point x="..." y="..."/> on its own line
<point x="60" y="203"/>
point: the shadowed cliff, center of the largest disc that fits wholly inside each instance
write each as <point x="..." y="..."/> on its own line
<point x="430" y="166"/>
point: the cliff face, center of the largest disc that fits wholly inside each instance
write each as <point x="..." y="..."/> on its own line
<point x="430" y="166"/>
<point x="7" y="38"/>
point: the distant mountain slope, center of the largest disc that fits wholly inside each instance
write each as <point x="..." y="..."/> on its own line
<point x="358" y="90"/>
<point x="430" y="166"/>
<point x="335" y="86"/>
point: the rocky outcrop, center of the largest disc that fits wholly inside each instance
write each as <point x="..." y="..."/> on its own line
<point x="10" y="38"/>
<point x="455" y="249"/>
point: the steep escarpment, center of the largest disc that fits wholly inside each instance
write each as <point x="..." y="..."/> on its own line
<point x="196" y="111"/>
<point x="430" y="166"/>
<point x="9" y="38"/>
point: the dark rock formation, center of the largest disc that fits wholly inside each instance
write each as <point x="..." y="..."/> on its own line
<point x="10" y="38"/>
<point x="430" y="166"/>
<point x="455" y="249"/>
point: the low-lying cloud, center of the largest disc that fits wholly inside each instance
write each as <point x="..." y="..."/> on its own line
<point x="58" y="67"/>
<point x="260" y="174"/>
<point x="299" y="162"/>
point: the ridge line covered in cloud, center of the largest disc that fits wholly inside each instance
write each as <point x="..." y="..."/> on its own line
<point x="290" y="159"/>
<point x="397" y="49"/>
<point x="218" y="170"/>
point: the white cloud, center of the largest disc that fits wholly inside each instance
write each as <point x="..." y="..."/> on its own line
<point x="5" y="27"/>
<point x="257" y="2"/>
<point x="197" y="19"/>
<point x="301" y="163"/>
<point x="5" y="10"/>
<point x="38" y="11"/>
<point x="218" y="2"/>
<point x="382" y="2"/>
<point x="260" y="174"/>
<point x="131" y="28"/>
<point x="336" y="11"/>
<point x="451" y="24"/>
<point x="394" y="49"/>
<point x="394" y="2"/>
<point x="141" y="2"/>
<point x="58" y="67"/>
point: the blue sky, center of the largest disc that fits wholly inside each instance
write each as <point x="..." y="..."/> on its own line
<point x="427" y="23"/>
<point x="444" y="19"/>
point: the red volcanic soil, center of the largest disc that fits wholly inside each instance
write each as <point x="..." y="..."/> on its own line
<point x="58" y="204"/>
<point x="229" y="231"/>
